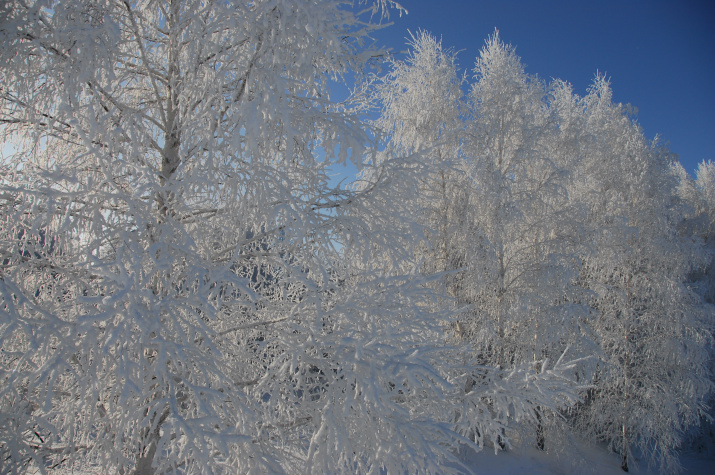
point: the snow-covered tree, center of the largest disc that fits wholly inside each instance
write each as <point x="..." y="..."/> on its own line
<point x="169" y="235"/>
<point x="705" y="183"/>
<point x="703" y="200"/>
<point x="697" y="198"/>
<point x="465" y="197"/>
<point x="651" y="326"/>
<point x="698" y="223"/>
<point x="420" y="100"/>
<point x="181" y="288"/>
<point x="559" y="226"/>
<point x="496" y="203"/>
<point x="521" y="264"/>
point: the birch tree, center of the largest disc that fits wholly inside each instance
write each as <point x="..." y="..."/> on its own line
<point x="426" y="116"/>
<point x="169" y="261"/>
<point x="699" y="221"/>
<point x="520" y="271"/>
<point x="421" y="112"/>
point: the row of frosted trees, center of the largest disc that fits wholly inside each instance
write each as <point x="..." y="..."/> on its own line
<point x="561" y="228"/>
<point x="182" y="290"/>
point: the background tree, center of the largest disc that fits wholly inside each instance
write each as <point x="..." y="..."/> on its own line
<point x="468" y="204"/>
<point x="558" y="226"/>
<point x="651" y="326"/>
<point x="698" y="197"/>
<point x="495" y="183"/>
<point x="520" y="278"/>
<point x="420" y="101"/>
<point x="699" y="220"/>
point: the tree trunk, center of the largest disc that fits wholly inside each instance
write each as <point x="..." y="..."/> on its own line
<point x="144" y="461"/>
<point x="624" y="449"/>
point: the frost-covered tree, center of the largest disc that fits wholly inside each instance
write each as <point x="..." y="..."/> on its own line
<point x="698" y="223"/>
<point x="497" y="207"/>
<point x="697" y="198"/>
<point x="168" y="233"/>
<point x="465" y="195"/>
<point x="651" y="325"/>
<point x="705" y="184"/>
<point x="521" y="264"/>
<point x="703" y="199"/>
<point x="181" y="288"/>
<point x="420" y="100"/>
<point x="559" y="226"/>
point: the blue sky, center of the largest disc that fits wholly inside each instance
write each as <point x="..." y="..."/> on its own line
<point x="659" y="55"/>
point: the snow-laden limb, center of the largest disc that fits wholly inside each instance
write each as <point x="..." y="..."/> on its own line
<point x="355" y="392"/>
<point x="499" y="404"/>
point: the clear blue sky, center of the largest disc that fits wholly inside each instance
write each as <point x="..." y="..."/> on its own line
<point x="660" y="55"/>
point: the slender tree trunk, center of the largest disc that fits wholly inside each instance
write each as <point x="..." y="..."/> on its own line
<point x="540" y="442"/>
<point x="145" y="459"/>
<point x="624" y="449"/>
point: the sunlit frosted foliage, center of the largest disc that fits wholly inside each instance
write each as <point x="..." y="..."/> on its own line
<point x="173" y="294"/>
<point x="491" y="212"/>
<point x="560" y="226"/>
<point x="652" y="327"/>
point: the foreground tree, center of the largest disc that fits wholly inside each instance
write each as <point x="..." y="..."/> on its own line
<point x="168" y="232"/>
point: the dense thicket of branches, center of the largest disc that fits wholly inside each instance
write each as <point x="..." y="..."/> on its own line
<point x="182" y="290"/>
